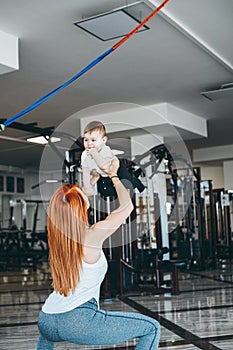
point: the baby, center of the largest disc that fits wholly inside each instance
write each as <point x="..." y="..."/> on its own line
<point x="98" y="156"/>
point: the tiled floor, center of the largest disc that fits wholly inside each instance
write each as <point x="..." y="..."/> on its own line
<point x="200" y="317"/>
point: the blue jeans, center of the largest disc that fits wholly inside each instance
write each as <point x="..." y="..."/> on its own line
<point x="86" y="325"/>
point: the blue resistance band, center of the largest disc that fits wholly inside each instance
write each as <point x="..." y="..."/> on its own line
<point x="50" y="94"/>
<point x="83" y="71"/>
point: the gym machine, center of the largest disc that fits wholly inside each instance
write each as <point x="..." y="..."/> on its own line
<point x="20" y="245"/>
<point x="208" y="219"/>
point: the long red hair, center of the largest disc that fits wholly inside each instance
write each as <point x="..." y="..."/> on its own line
<point x="67" y="225"/>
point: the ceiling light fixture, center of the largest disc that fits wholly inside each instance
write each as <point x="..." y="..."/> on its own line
<point x="43" y="140"/>
<point x="117" y="152"/>
<point x="225" y="90"/>
<point x="116" y="23"/>
<point x="44" y="182"/>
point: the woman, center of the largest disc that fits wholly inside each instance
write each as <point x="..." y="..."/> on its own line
<point x="78" y="266"/>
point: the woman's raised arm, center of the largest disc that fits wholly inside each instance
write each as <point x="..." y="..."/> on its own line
<point x="105" y="228"/>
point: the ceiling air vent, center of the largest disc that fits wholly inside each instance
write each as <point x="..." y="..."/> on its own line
<point x="225" y="90"/>
<point x="115" y="23"/>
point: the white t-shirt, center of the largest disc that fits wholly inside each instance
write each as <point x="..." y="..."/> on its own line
<point x="88" y="162"/>
<point x="91" y="277"/>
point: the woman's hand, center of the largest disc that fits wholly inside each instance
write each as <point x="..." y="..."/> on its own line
<point x="113" y="168"/>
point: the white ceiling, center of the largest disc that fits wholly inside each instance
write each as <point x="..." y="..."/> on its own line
<point x="188" y="49"/>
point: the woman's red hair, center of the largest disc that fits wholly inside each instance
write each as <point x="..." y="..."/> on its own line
<point x="67" y="225"/>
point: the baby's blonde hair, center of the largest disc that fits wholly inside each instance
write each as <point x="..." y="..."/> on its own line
<point x="95" y="126"/>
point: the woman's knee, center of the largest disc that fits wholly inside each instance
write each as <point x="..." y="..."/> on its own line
<point x="154" y="327"/>
<point x="44" y="344"/>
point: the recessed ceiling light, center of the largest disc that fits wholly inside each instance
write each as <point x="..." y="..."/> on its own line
<point x="117" y="152"/>
<point x="51" y="181"/>
<point x="43" y="140"/>
<point x="45" y="181"/>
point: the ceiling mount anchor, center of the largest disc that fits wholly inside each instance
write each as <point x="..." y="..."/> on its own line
<point x="2" y="127"/>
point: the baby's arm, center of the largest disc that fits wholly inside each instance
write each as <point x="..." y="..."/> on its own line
<point x="102" y="162"/>
<point x="87" y="186"/>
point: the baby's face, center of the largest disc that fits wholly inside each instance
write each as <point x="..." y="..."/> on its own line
<point x="94" y="140"/>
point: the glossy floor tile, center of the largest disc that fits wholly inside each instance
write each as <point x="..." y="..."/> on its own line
<point x="200" y="317"/>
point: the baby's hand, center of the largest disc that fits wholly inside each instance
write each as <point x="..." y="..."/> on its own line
<point x="94" y="173"/>
<point x="91" y="151"/>
<point x="94" y="177"/>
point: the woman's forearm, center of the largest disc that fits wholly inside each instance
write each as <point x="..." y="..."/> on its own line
<point x="123" y="194"/>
